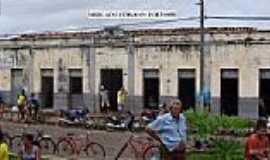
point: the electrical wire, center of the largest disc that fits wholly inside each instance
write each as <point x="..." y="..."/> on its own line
<point x="240" y="18"/>
<point x="159" y="21"/>
<point x="138" y="23"/>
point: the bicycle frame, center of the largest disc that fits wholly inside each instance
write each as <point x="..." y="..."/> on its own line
<point x="130" y="142"/>
<point x="76" y="143"/>
<point x="123" y="148"/>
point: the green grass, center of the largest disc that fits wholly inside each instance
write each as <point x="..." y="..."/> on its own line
<point x="200" y="156"/>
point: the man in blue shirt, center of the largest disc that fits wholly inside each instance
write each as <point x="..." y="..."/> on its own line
<point x="170" y="129"/>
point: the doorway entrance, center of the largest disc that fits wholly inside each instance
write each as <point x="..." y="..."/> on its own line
<point x="187" y="87"/>
<point x="47" y="88"/>
<point x="151" y="88"/>
<point x="75" y="88"/>
<point x="229" y="92"/>
<point x="264" y="92"/>
<point x="16" y="84"/>
<point x="112" y="80"/>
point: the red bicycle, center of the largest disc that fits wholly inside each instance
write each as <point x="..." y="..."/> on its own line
<point x="152" y="152"/>
<point x="138" y="145"/>
<point x="74" y="144"/>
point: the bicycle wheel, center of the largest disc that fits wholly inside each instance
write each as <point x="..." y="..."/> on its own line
<point x="65" y="148"/>
<point x="16" y="143"/>
<point x="47" y="146"/>
<point x="95" y="151"/>
<point x="152" y="152"/>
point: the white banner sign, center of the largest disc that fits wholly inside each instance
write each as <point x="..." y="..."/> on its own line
<point x="131" y="14"/>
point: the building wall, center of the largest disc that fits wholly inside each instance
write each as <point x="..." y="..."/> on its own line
<point x="248" y="60"/>
<point x="247" y="52"/>
<point x="167" y="59"/>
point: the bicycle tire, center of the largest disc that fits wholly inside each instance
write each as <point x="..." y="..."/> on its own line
<point x="95" y="151"/>
<point x="152" y="151"/>
<point x="67" y="149"/>
<point x="47" y="145"/>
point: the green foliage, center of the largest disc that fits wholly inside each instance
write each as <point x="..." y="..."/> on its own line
<point x="207" y="124"/>
<point x="200" y="156"/>
<point x="222" y="150"/>
<point x="227" y="150"/>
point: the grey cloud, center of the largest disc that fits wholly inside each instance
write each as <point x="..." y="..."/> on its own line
<point x="41" y="15"/>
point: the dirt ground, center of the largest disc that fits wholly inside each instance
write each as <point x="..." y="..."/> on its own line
<point x="112" y="141"/>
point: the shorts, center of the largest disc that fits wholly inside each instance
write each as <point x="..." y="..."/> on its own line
<point x="21" y="108"/>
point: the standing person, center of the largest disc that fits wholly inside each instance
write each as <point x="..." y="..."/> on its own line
<point x="33" y="106"/>
<point x="170" y="130"/>
<point x="104" y="98"/>
<point x="21" y="103"/>
<point x="130" y="120"/>
<point x="121" y="98"/>
<point x="257" y="145"/>
<point x="262" y="108"/>
<point x="2" y="106"/>
<point x="29" y="151"/>
<point x="3" y="148"/>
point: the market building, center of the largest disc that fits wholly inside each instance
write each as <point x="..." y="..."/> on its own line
<point x="66" y="69"/>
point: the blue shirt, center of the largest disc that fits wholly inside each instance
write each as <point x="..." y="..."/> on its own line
<point x="170" y="130"/>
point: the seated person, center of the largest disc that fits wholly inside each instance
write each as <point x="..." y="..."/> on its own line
<point x="257" y="145"/>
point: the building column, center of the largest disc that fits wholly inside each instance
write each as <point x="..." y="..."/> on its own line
<point x="91" y="63"/>
<point x="61" y="98"/>
<point x="31" y="71"/>
<point x="131" y="78"/>
<point x="28" y="73"/>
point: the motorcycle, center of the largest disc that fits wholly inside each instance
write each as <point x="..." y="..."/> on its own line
<point x="124" y="122"/>
<point x="73" y="117"/>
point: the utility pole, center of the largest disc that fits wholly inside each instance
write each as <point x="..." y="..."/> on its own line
<point x="202" y="43"/>
<point x="0" y="7"/>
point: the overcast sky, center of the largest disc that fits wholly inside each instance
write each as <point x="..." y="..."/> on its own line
<point x="54" y="15"/>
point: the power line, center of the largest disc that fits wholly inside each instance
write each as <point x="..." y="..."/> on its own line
<point x="240" y="18"/>
<point x="0" y="7"/>
<point x="138" y="23"/>
<point x="159" y="21"/>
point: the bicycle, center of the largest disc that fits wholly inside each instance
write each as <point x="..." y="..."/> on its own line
<point x="152" y="152"/>
<point x="138" y="145"/>
<point x="156" y="152"/>
<point x="44" y="142"/>
<point x="72" y="144"/>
